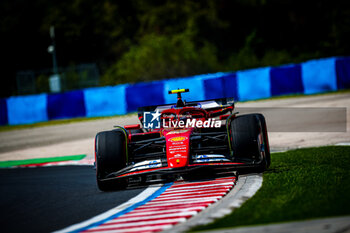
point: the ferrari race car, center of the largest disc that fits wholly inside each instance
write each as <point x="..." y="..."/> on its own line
<point x="179" y="140"/>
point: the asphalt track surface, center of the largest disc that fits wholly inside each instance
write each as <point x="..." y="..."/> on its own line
<point x="46" y="199"/>
<point x="47" y="135"/>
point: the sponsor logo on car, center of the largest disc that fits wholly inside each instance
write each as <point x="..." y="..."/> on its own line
<point x="178" y="156"/>
<point x="153" y="164"/>
<point x="203" y="158"/>
<point x="178" y="139"/>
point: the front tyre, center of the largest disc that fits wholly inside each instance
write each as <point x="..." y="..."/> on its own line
<point x="110" y="149"/>
<point x="249" y="140"/>
<point x="265" y="140"/>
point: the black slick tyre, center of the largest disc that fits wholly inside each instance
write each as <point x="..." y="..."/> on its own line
<point x="266" y="146"/>
<point x="110" y="149"/>
<point x="249" y="140"/>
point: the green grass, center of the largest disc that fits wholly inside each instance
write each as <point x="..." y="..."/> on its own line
<point x="300" y="184"/>
<point x="12" y="163"/>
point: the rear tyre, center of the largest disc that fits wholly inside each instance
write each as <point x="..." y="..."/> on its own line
<point x="110" y="157"/>
<point x="249" y="140"/>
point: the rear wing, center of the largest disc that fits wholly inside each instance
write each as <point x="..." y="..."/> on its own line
<point x="205" y="104"/>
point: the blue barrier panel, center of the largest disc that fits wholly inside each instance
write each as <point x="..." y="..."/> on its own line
<point x="27" y="109"/>
<point x="209" y="76"/>
<point x="230" y="86"/>
<point x="286" y="80"/>
<point x="3" y="112"/>
<point x="253" y="84"/>
<point x="105" y="101"/>
<point x="144" y="94"/>
<point x="310" y="77"/>
<point x="343" y="72"/>
<point x="214" y="88"/>
<point x="224" y="86"/>
<point x="319" y="76"/>
<point x="66" y="105"/>
<point x="195" y="84"/>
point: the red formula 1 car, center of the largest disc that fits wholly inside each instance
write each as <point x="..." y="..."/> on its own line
<point x="180" y="140"/>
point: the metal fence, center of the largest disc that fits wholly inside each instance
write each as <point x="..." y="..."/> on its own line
<point x="70" y="78"/>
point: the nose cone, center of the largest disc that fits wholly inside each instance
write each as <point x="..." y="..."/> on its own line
<point x="177" y="144"/>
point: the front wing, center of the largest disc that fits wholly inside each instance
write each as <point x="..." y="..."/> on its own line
<point x="216" y="167"/>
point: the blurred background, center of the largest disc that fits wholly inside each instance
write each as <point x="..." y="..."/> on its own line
<point x="98" y="43"/>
